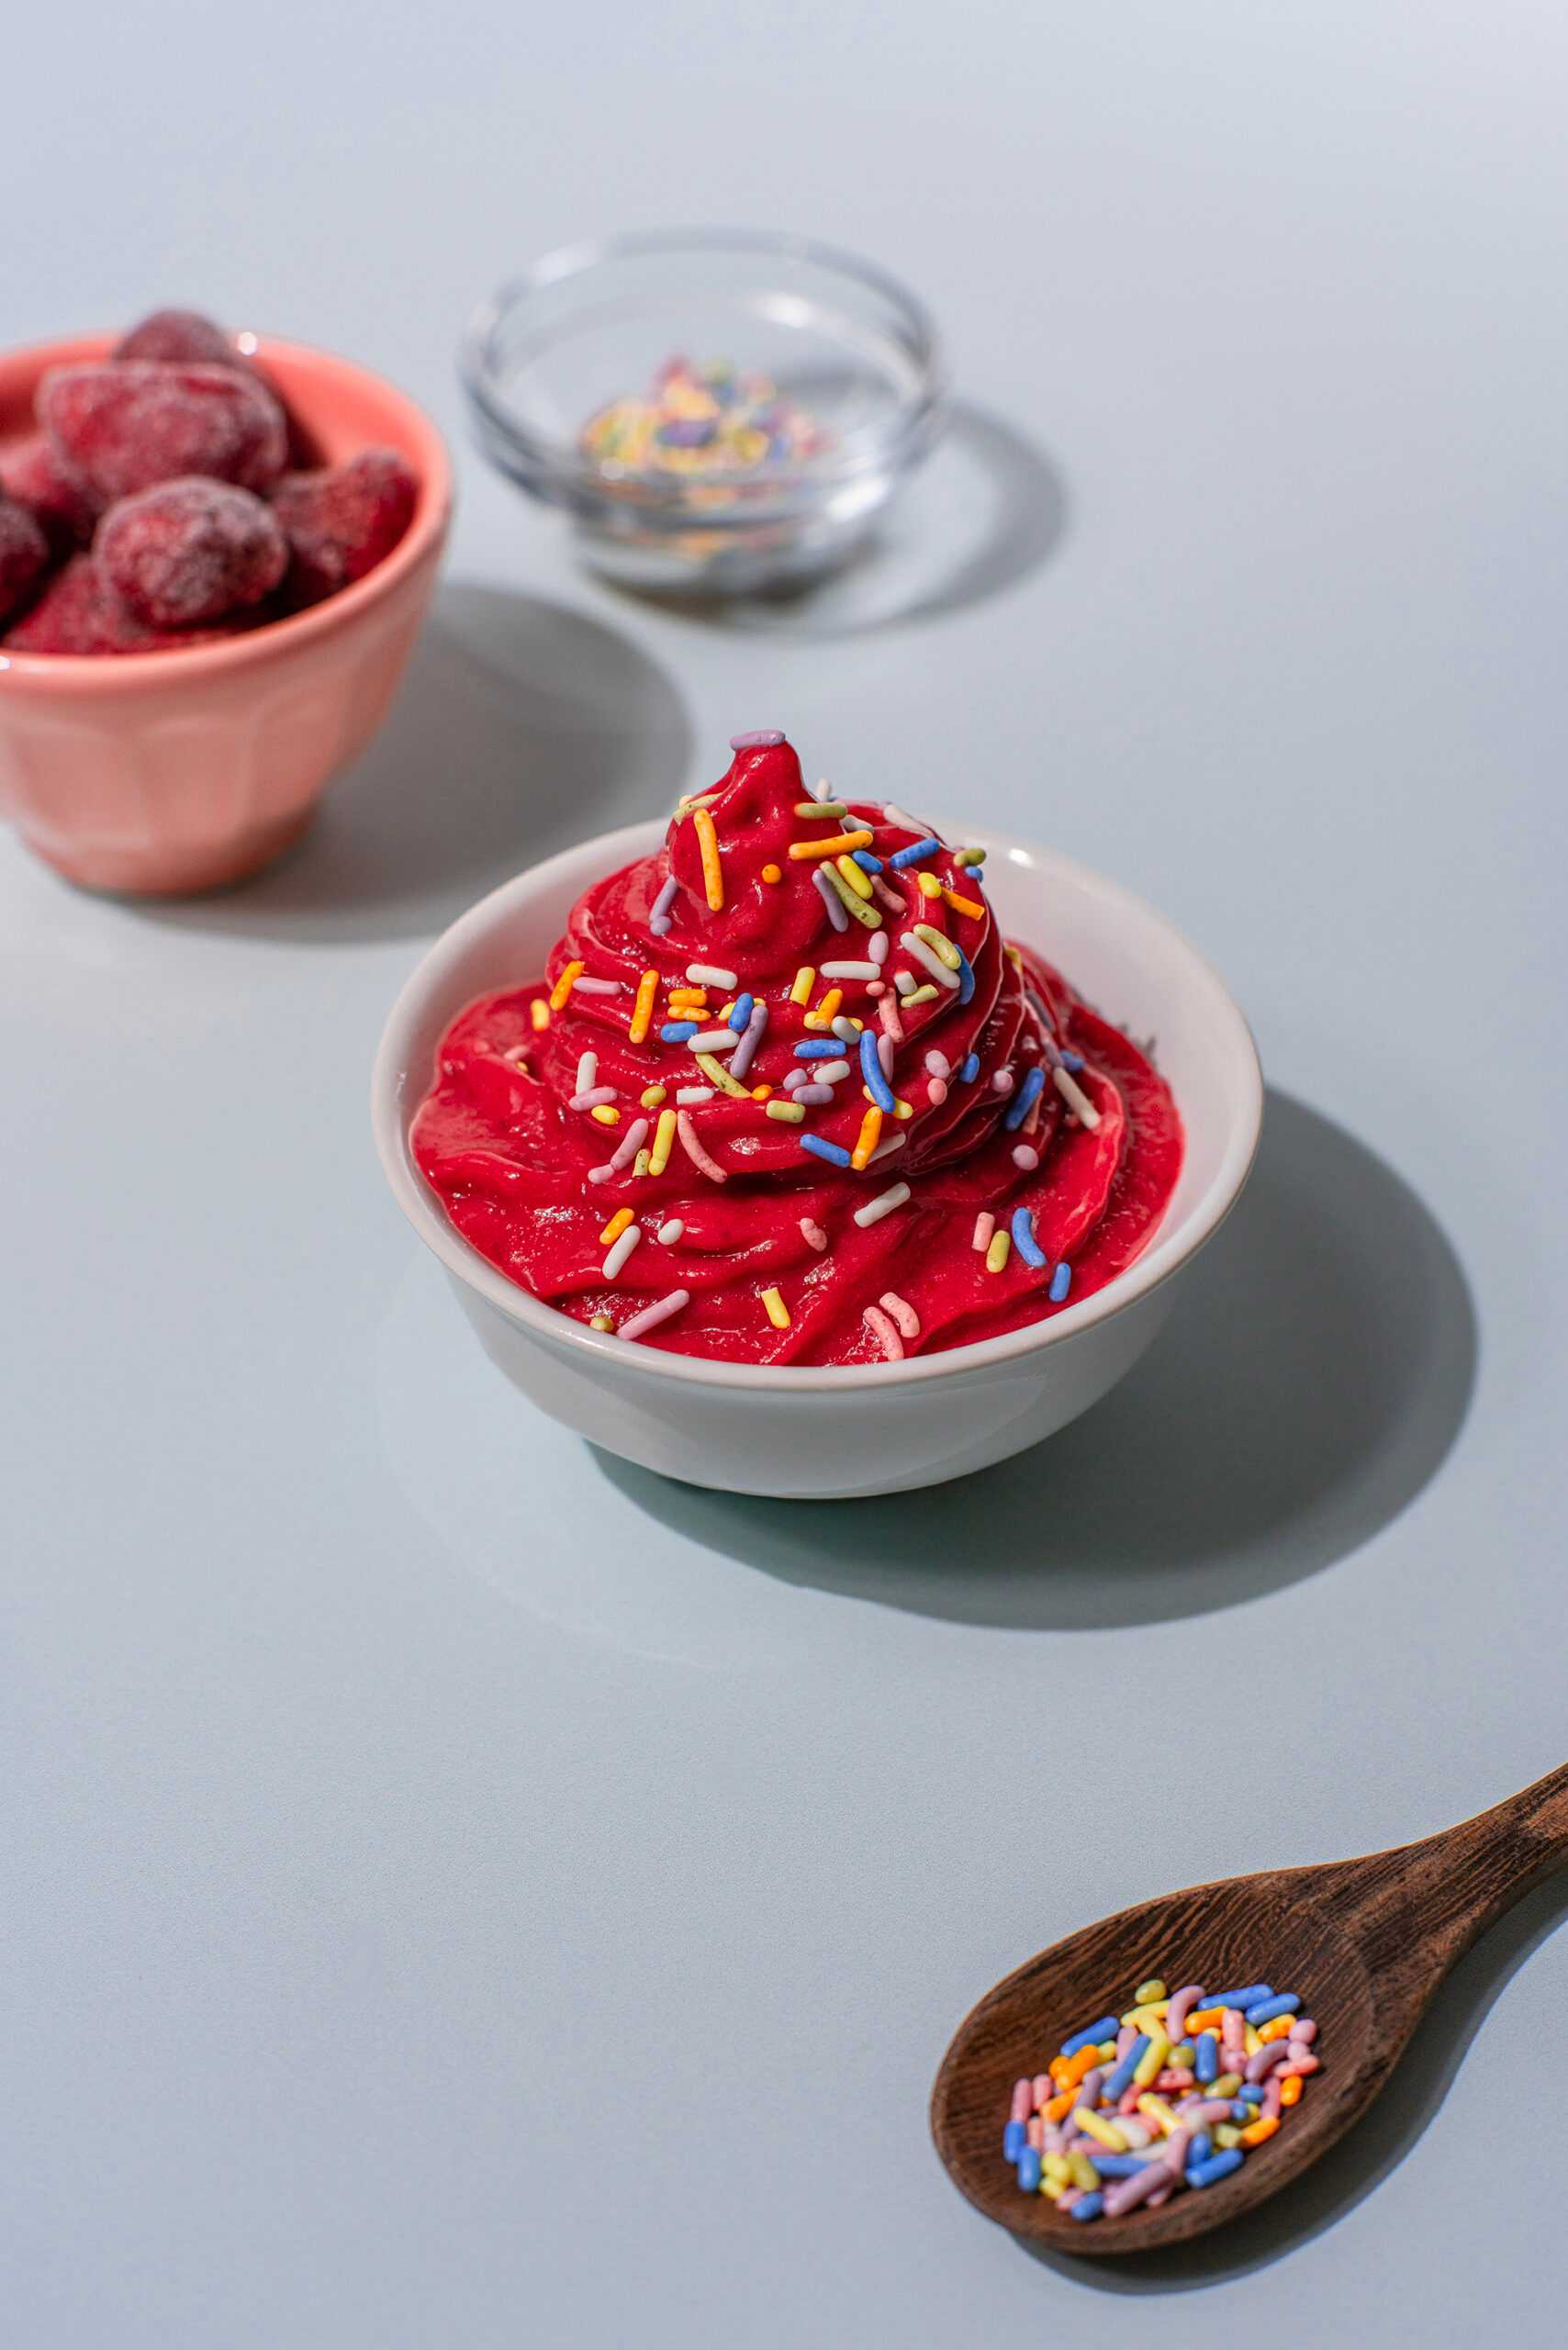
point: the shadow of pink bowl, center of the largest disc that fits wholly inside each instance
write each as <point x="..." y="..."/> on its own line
<point x="162" y="773"/>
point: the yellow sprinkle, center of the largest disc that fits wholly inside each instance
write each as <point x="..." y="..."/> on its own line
<point x="941" y="947"/>
<point x="643" y="1009"/>
<point x="640" y="1164"/>
<point x="970" y="906"/>
<point x="1109" y="2136"/>
<point x="1051" y="2189"/>
<point x="1158" y="2112"/>
<point x="725" y="1009"/>
<point x="616" y="1227"/>
<point x="788" y="1113"/>
<point x="865" y="914"/>
<point x="823" y="1015"/>
<point x="1227" y="2136"/>
<point x="869" y="1136"/>
<point x="859" y="881"/>
<point x="1000" y="1248"/>
<point x="717" y="1074"/>
<point x="801" y="850"/>
<point x="539" y="1012"/>
<point x="805" y="980"/>
<point x="605" y="1114"/>
<point x="563" y="987"/>
<point x="1183" y="2056"/>
<point x="968" y="856"/>
<point x="1152" y="2061"/>
<point x="652" y="1096"/>
<point x="921" y="995"/>
<point x="601" y="1322"/>
<point x="772" y="873"/>
<point x="777" y="1312"/>
<point x="835" y="807"/>
<point x="1253" y="2043"/>
<point x="929" y="885"/>
<point x="1144" y="2016"/>
<point x="902" y="1109"/>
<point x="1083" y="2172"/>
<point x="1225" y="2085"/>
<point x="664" y="1143"/>
<point x="712" y="867"/>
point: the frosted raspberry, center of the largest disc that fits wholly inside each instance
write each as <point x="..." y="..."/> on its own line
<point x="30" y="473"/>
<point x="24" y="556"/>
<point x="190" y="551"/>
<point x="181" y="336"/>
<point x="342" y="521"/>
<point x="80" y="612"/>
<point x="118" y="425"/>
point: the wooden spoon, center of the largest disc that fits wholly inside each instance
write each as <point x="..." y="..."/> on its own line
<point x="1364" y="1942"/>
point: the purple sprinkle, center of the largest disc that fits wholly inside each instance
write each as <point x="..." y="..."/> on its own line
<point x="767" y="738"/>
<point x="687" y="432"/>
<point x="658" y="920"/>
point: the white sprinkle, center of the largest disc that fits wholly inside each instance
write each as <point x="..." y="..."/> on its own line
<point x="813" y="1234"/>
<point x="813" y="1095"/>
<point x="883" y="1204"/>
<point x="1072" y="1093"/>
<point x="985" y="1224"/>
<point x="1026" y="1155"/>
<point x="715" y="1040"/>
<point x="938" y="1064"/>
<point x="621" y="1250"/>
<point x="849" y="971"/>
<point x="652" y="1315"/>
<point x="596" y="986"/>
<point x="593" y="1099"/>
<point x="902" y="1313"/>
<point x="886" y="1148"/>
<point x="709" y="975"/>
<point x="826" y="1072"/>
<point x="822" y="788"/>
<point x="670" y="1232"/>
<point x="897" y="815"/>
<point x="801" y="1074"/>
<point x="829" y="896"/>
<point x="915" y="945"/>
<point x="885" y="1054"/>
<point x="877" y="947"/>
<point x="905" y="982"/>
<point x="686" y="1095"/>
<point x="587" y="1073"/>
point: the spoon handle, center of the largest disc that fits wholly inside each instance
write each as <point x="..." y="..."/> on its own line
<point x="1424" y="1903"/>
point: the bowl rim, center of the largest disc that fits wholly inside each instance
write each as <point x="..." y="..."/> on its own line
<point x="1166" y="1254"/>
<point x="432" y="512"/>
<point x="915" y="415"/>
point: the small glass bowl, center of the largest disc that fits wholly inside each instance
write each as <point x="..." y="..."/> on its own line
<point x="594" y="322"/>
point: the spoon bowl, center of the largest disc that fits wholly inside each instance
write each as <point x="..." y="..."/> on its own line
<point x="1364" y="1943"/>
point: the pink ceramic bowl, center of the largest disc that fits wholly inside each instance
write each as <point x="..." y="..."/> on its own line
<point x="160" y="773"/>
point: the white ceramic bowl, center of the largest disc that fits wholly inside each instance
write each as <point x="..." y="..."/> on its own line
<point x="881" y="1427"/>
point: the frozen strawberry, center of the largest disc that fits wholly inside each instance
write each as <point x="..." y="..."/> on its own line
<point x="190" y="551"/>
<point x="118" y="425"/>
<point x="30" y="473"/>
<point x="342" y="521"/>
<point x="179" y="335"/>
<point x="80" y="612"/>
<point x="24" y="556"/>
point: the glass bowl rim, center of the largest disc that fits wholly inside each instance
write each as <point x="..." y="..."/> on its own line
<point x="870" y="446"/>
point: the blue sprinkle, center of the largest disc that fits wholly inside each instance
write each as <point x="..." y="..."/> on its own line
<point x="1242" y="1999"/>
<point x="1205" y="2057"/>
<point x="676" y="1032"/>
<point x="916" y="851"/>
<point x="1072" y="1063"/>
<point x="742" y="1012"/>
<point x="1241" y="2111"/>
<point x="971" y="1070"/>
<point x="1023" y="1239"/>
<point x="1217" y="2166"/>
<point x="1198" y="2152"/>
<point x="1029" y="2169"/>
<point x="1106" y="2029"/>
<point x="1116" y="2080"/>
<point x="1266" y="2010"/>
<point x="877" y="1085"/>
<point x="833" y="1151"/>
<point x="819" y="1050"/>
<point x="866" y="861"/>
<point x="966" y="976"/>
<point x="1088" y="2207"/>
<point x="1119" y="2166"/>
<point x="1014" y="2138"/>
<point x="1024" y="1100"/>
<point x="1252" y="2094"/>
<point x="1061" y="1282"/>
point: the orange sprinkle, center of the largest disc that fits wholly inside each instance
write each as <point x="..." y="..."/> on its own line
<point x="771" y="873"/>
<point x="563" y="987"/>
<point x="1290" y="2091"/>
<point x="869" y="1136"/>
<point x="1277" y="2029"/>
<point x="822" y="1015"/>
<point x="616" y="1227"/>
<point x="1262" y="2131"/>
<point x="801" y="850"/>
<point x="963" y="905"/>
<point x="1077" y="2067"/>
<point x="1059" y="2107"/>
<point x="760" y="1092"/>
<point x="1209" y="2019"/>
<point x="643" y="1009"/>
<point x="713" y="865"/>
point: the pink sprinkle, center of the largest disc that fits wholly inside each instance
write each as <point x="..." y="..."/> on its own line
<point x="1127" y="2102"/>
<point x="1161" y="2195"/>
<point x="1270" y="2101"/>
<point x="1175" y="2077"/>
<point x="694" y="1149"/>
<point x="1003" y="1081"/>
<point x="1258" y="2067"/>
<point x="877" y="952"/>
<point x="1174" y="2150"/>
<point x="664" y="1309"/>
<point x="1126" y="2194"/>
<point x="1207" y="2109"/>
<point x="902" y="1313"/>
<point x="1188" y="1996"/>
<point x="1232" y="2034"/>
<point x="814" y="1237"/>
<point x="1042" y="2089"/>
<point x="876" y="987"/>
<point x="1124" y="2039"/>
<point x="1026" y="1157"/>
<point x="888" y="1013"/>
<point x="1034" y="2130"/>
<point x="596" y="986"/>
<point x="1303" y="2028"/>
<point x="1300" y="2067"/>
<point x="885" y="1054"/>
<point x="883" y="1330"/>
<point x="593" y="1099"/>
<point x="632" y="1142"/>
<point x="935" y="1092"/>
<point x="985" y="1224"/>
<point x="889" y="898"/>
<point x="1022" y="2101"/>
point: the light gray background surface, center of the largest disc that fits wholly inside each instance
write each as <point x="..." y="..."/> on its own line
<point x="460" y="1891"/>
